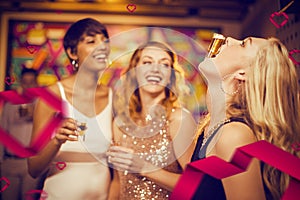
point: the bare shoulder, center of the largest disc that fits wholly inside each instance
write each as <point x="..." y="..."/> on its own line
<point x="182" y="122"/>
<point x="232" y="136"/>
<point x="54" y="89"/>
<point x="180" y="114"/>
<point x="67" y="84"/>
<point x="43" y="106"/>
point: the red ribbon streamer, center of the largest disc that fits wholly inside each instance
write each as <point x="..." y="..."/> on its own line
<point x="45" y="134"/>
<point x="219" y="169"/>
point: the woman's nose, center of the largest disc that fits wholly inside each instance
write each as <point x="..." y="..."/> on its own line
<point x="101" y="45"/>
<point x="155" y="67"/>
<point x="231" y="41"/>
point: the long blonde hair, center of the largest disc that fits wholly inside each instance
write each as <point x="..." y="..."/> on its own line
<point x="268" y="101"/>
<point x="273" y="106"/>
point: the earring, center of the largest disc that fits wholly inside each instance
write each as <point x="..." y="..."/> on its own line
<point x="230" y="93"/>
<point x="75" y="65"/>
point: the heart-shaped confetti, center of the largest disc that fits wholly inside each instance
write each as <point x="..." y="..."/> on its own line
<point x="31" y="49"/>
<point x="9" y="80"/>
<point x="131" y="7"/>
<point x="32" y="194"/>
<point x="7" y="183"/>
<point x="278" y="15"/>
<point x="61" y="165"/>
<point x="292" y="55"/>
<point x="45" y="134"/>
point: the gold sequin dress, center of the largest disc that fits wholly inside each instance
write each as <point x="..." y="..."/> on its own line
<point x="156" y="149"/>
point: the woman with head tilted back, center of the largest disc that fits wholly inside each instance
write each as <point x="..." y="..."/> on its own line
<point x="74" y="172"/>
<point x="252" y="95"/>
<point x="153" y="131"/>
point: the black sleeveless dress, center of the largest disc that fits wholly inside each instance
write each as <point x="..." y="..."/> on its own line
<point x="211" y="188"/>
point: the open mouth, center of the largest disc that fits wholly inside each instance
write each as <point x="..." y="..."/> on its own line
<point x="153" y="79"/>
<point x="100" y="57"/>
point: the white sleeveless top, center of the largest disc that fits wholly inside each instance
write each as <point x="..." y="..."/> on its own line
<point x="79" y="170"/>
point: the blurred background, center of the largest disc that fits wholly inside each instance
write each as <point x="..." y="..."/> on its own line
<point x="32" y="32"/>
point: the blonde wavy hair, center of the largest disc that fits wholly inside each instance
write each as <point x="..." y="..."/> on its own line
<point x="268" y="102"/>
<point x="129" y="99"/>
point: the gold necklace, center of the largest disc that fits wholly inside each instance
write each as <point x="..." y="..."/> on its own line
<point x="211" y="131"/>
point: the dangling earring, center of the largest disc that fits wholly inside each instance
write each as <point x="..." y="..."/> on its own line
<point x="230" y="93"/>
<point x="75" y="65"/>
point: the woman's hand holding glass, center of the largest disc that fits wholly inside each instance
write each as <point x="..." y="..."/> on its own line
<point x="125" y="159"/>
<point x="67" y="131"/>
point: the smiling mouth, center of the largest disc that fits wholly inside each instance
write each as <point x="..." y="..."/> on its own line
<point x="153" y="79"/>
<point x="100" y="57"/>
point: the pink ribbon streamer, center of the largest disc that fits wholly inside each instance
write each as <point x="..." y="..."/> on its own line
<point x="29" y="194"/>
<point x="45" y="134"/>
<point x="219" y="169"/>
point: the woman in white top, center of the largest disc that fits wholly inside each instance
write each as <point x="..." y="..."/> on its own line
<point x="75" y="166"/>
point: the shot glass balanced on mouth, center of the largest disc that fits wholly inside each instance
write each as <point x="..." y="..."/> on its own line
<point x="215" y="45"/>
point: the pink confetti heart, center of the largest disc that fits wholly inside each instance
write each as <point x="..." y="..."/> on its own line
<point x="31" y="49"/>
<point x="9" y="80"/>
<point x="279" y="14"/>
<point x="6" y="185"/>
<point x="45" y="134"/>
<point x="31" y="194"/>
<point x="291" y="56"/>
<point x="61" y="165"/>
<point x="131" y="7"/>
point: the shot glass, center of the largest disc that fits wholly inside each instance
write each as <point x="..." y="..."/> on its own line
<point x="215" y="44"/>
<point x="83" y="127"/>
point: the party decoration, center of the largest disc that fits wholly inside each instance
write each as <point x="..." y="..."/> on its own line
<point x="131" y="7"/>
<point x="219" y="169"/>
<point x="31" y="194"/>
<point x="6" y="185"/>
<point x="277" y="15"/>
<point x="292" y="55"/>
<point x="45" y="134"/>
<point x="61" y="165"/>
<point x="9" y="80"/>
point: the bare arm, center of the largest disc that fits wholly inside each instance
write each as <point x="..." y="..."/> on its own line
<point x="114" y="187"/>
<point x="182" y="129"/>
<point x="247" y="185"/>
<point x="42" y="115"/>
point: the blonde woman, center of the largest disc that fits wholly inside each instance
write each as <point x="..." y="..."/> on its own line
<point x="252" y="96"/>
<point x="153" y="131"/>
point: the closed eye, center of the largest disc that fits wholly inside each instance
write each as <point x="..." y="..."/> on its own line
<point x="243" y="43"/>
<point x="166" y="65"/>
<point x="147" y="62"/>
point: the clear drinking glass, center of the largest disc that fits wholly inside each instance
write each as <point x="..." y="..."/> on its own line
<point x="215" y="44"/>
<point x="82" y="125"/>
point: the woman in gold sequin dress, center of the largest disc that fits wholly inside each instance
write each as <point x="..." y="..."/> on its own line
<point x="152" y="133"/>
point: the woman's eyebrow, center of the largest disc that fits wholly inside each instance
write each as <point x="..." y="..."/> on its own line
<point x="163" y="59"/>
<point x="149" y="57"/>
